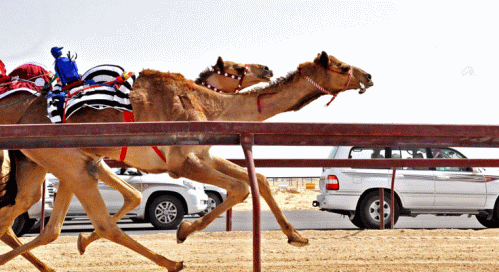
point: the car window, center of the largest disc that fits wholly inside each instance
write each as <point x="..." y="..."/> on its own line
<point x="128" y="172"/>
<point x="367" y="153"/>
<point x="410" y="153"/>
<point x="447" y="153"/>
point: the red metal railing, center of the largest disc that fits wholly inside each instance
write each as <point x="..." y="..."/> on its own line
<point x="248" y="134"/>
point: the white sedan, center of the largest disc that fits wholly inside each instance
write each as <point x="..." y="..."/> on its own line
<point x="165" y="200"/>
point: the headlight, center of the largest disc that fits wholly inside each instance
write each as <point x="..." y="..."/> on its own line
<point x="189" y="185"/>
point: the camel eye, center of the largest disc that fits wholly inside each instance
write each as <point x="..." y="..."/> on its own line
<point x="345" y="69"/>
<point x="240" y="70"/>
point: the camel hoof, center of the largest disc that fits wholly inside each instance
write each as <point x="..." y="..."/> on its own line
<point x="79" y="245"/>
<point x="181" y="236"/>
<point x="182" y="266"/>
<point x="297" y="243"/>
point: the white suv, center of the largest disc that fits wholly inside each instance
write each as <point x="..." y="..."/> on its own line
<point x="438" y="191"/>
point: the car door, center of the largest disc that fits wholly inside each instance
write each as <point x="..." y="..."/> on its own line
<point x="455" y="187"/>
<point x="414" y="185"/>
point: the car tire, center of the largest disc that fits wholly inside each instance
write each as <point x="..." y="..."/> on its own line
<point x="19" y="223"/>
<point x="166" y="212"/>
<point x="369" y="211"/>
<point x="492" y="223"/>
<point x="357" y="221"/>
<point x="213" y="202"/>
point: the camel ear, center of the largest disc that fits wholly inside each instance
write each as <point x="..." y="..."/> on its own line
<point x="220" y="64"/>
<point x="324" y="59"/>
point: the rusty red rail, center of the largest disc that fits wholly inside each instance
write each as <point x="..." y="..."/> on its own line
<point x="227" y="133"/>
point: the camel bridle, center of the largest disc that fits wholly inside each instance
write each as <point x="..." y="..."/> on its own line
<point x="315" y="84"/>
<point x="238" y="77"/>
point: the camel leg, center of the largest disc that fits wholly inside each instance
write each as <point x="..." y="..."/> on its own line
<point x="51" y="231"/>
<point x="81" y="179"/>
<point x="99" y="217"/>
<point x="27" y="195"/>
<point x="105" y="227"/>
<point x="237" y="191"/>
<point x="132" y="198"/>
<point x="10" y="238"/>
<point x="238" y="172"/>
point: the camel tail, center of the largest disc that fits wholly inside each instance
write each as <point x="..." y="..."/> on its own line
<point x="8" y="189"/>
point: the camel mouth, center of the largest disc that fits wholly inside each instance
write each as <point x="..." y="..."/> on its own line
<point x="364" y="87"/>
<point x="267" y="76"/>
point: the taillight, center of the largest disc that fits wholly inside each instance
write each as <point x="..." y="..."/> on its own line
<point x="332" y="183"/>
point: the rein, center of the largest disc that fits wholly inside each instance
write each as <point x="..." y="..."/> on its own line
<point x="350" y="73"/>
<point x="240" y="78"/>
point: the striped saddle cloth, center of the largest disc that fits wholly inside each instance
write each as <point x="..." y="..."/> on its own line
<point x="105" y="86"/>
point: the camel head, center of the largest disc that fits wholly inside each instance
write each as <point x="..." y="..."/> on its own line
<point x="335" y="76"/>
<point x="230" y="77"/>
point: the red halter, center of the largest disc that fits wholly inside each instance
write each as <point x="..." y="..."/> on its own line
<point x="240" y="78"/>
<point x="129" y="117"/>
<point x="350" y="73"/>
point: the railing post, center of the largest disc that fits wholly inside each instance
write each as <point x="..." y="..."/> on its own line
<point x="42" y="222"/>
<point x="228" y="220"/>
<point x="381" y="208"/>
<point x="247" y="141"/>
<point x="392" y="200"/>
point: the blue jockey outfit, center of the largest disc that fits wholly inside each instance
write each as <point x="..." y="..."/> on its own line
<point x="66" y="69"/>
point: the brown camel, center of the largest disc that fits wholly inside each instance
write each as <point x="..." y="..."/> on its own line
<point x="160" y="96"/>
<point x="15" y="104"/>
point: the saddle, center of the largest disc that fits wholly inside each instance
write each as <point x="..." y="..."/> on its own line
<point x="101" y="87"/>
<point x="24" y="78"/>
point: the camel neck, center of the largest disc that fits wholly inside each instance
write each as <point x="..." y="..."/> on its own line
<point x="288" y="95"/>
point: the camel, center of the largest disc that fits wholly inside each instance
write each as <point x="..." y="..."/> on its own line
<point x="160" y="96"/>
<point x="13" y="105"/>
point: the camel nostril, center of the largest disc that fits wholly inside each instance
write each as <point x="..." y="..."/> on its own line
<point x="266" y="68"/>
<point x="368" y="76"/>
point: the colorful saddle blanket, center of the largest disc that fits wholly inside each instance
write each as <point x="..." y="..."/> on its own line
<point x="29" y="77"/>
<point x="106" y="86"/>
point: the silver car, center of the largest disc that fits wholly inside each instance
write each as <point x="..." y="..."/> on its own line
<point x="165" y="200"/>
<point x="443" y="191"/>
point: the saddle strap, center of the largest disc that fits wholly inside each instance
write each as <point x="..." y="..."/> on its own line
<point x="129" y="117"/>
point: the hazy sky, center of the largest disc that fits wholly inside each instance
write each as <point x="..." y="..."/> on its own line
<point x="431" y="61"/>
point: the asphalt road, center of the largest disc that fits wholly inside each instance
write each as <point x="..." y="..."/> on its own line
<point x="302" y="220"/>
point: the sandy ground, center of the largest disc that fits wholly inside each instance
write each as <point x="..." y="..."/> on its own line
<point x="338" y="250"/>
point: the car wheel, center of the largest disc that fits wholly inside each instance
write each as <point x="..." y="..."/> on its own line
<point x="357" y="221"/>
<point x="369" y="211"/>
<point x="492" y="223"/>
<point x="19" y="223"/>
<point x="166" y="212"/>
<point x="213" y="202"/>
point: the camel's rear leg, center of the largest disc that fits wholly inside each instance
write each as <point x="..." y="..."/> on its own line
<point x="51" y="231"/>
<point x="78" y="179"/>
<point x="26" y="196"/>
<point x="132" y="198"/>
<point x="237" y="191"/>
<point x="238" y="172"/>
